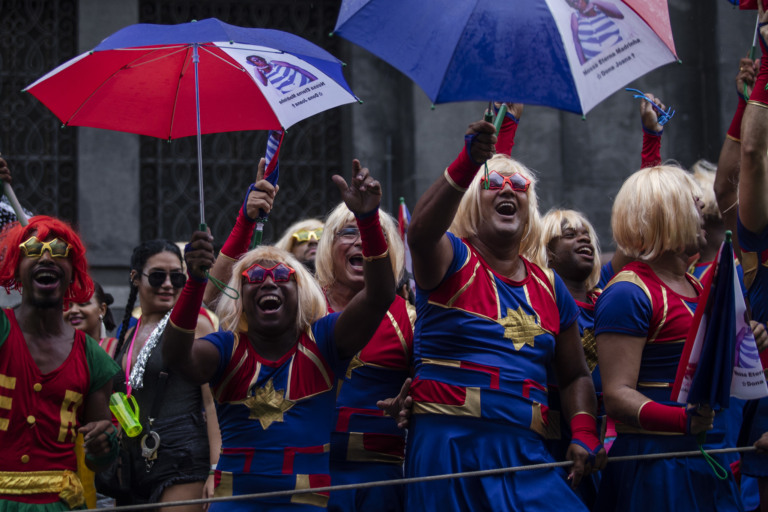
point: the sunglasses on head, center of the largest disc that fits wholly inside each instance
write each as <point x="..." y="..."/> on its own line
<point x="34" y="248"/>
<point x="156" y="278"/>
<point x="517" y="181"/>
<point x="304" y="235"/>
<point x="256" y="274"/>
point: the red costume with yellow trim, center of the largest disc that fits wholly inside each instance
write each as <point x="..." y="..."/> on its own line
<point x="367" y="446"/>
<point x="40" y="415"/>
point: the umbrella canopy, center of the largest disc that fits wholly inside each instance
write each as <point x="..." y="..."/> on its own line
<point x="171" y="81"/>
<point x="142" y="80"/>
<point x="567" y="54"/>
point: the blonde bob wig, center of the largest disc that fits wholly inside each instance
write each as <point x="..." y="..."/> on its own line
<point x="556" y="222"/>
<point x="655" y="211"/>
<point x="287" y="241"/>
<point x="337" y="219"/>
<point x="311" y="299"/>
<point x="470" y="214"/>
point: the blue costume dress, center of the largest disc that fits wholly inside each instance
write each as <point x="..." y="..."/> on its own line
<point x="367" y="446"/>
<point x="482" y="347"/>
<point x="276" y="418"/>
<point x="754" y="261"/>
<point x="637" y="303"/>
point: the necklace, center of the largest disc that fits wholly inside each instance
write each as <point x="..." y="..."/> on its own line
<point x="134" y="378"/>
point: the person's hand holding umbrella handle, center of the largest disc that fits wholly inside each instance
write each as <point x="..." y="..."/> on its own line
<point x="5" y="176"/>
<point x="261" y="195"/>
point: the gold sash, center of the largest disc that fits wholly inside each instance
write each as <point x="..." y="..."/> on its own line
<point x="64" y="483"/>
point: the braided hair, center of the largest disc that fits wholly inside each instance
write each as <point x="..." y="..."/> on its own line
<point x="141" y="253"/>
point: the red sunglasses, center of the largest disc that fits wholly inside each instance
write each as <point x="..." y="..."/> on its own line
<point x="517" y="181"/>
<point x="256" y="274"/>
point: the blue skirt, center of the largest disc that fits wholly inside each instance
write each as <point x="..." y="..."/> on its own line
<point x="388" y="498"/>
<point x="664" y="485"/>
<point x="450" y="444"/>
<point x="755" y="424"/>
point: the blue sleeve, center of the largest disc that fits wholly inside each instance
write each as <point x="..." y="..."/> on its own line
<point x="460" y="252"/>
<point x="749" y="241"/>
<point x="569" y="311"/>
<point x="606" y="274"/>
<point x="623" y="308"/>
<point x="323" y="330"/>
<point x="224" y="341"/>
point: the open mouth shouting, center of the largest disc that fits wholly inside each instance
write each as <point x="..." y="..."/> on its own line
<point x="506" y="208"/>
<point x="46" y="277"/>
<point x="586" y="251"/>
<point x="270" y="303"/>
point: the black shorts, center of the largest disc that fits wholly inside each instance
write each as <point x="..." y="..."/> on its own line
<point x="182" y="457"/>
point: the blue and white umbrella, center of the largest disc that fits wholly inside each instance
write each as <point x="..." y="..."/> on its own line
<point x="566" y="54"/>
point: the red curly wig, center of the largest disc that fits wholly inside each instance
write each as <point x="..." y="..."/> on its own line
<point x="43" y="227"/>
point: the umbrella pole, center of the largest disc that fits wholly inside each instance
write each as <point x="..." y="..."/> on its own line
<point x="196" y="61"/>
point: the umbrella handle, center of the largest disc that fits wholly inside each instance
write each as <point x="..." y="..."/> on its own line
<point x="20" y="215"/>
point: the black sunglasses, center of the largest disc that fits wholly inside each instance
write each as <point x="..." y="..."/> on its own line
<point x="156" y="278"/>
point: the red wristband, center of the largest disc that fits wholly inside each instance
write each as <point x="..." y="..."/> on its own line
<point x="657" y="417"/>
<point x="462" y="171"/>
<point x="239" y="239"/>
<point x="372" y="237"/>
<point x="187" y="308"/>
<point x="734" y="131"/>
<point x="759" y="92"/>
<point x="506" y="137"/>
<point x="651" y="155"/>
<point x="584" y="429"/>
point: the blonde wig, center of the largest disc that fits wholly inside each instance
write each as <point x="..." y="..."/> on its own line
<point x="311" y="299"/>
<point x="470" y="215"/>
<point x="704" y="174"/>
<point x="555" y="222"/>
<point x="655" y="212"/>
<point x="337" y="219"/>
<point x="287" y="241"/>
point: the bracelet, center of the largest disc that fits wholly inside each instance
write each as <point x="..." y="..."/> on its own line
<point x="213" y="467"/>
<point x="380" y="256"/>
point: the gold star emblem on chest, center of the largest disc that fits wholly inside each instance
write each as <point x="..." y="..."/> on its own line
<point x="268" y="405"/>
<point x="520" y="327"/>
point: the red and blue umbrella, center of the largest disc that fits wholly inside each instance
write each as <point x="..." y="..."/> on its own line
<point x="567" y="54"/>
<point x="172" y="81"/>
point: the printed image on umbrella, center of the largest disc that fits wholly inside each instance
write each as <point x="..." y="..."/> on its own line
<point x="566" y="54"/>
<point x="172" y="81"/>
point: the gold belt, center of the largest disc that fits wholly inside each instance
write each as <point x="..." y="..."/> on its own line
<point x="64" y="483"/>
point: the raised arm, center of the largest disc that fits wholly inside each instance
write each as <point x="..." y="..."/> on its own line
<point x="196" y="359"/>
<point x="727" y="176"/>
<point x="753" y="179"/>
<point x="508" y="130"/>
<point x="652" y="131"/>
<point x="260" y="196"/>
<point x="364" y="313"/>
<point x="432" y="216"/>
